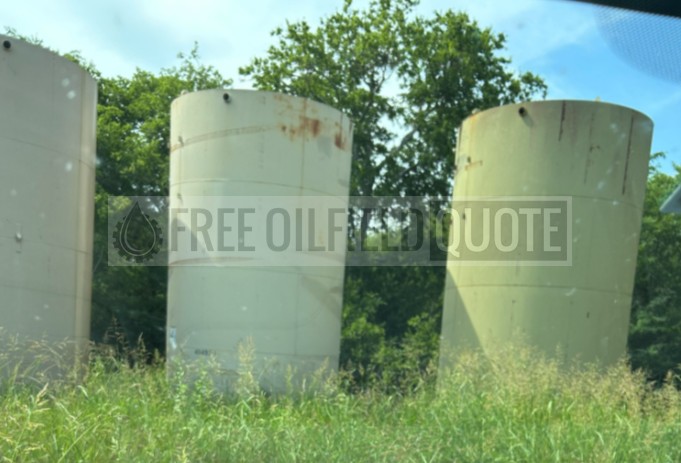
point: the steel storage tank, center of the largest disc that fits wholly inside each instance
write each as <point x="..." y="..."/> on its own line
<point x="47" y="149"/>
<point x="590" y="157"/>
<point x="252" y="144"/>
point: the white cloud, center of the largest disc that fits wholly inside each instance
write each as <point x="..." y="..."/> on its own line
<point x="557" y="39"/>
<point x="533" y="28"/>
<point x="121" y="35"/>
<point x="229" y="33"/>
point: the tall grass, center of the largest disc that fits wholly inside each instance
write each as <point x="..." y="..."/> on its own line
<point x="512" y="406"/>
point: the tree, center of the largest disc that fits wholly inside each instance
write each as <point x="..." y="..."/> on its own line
<point x="407" y="82"/>
<point x="133" y="131"/>
<point x="655" y="333"/>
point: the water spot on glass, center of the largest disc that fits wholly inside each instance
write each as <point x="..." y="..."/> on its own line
<point x="37" y="318"/>
<point x="98" y="161"/>
<point x="575" y="239"/>
<point x="613" y="127"/>
<point x="571" y="292"/>
<point x="244" y="308"/>
<point x="525" y="188"/>
<point x="13" y="192"/>
<point x="65" y="82"/>
<point x="601" y="185"/>
<point x="71" y="94"/>
<point x="645" y="126"/>
<point x="609" y="171"/>
<point x="578" y="220"/>
<point x="46" y="306"/>
<point x="41" y="215"/>
<point x="68" y="166"/>
<point x="615" y="203"/>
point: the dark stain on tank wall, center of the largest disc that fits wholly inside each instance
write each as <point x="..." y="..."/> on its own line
<point x="562" y="120"/>
<point x="338" y="140"/>
<point x="307" y="128"/>
<point x="310" y="125"/>
<point x="626" y="162"/>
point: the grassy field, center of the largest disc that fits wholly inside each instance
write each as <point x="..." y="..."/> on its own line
<point x="513" y="407"/>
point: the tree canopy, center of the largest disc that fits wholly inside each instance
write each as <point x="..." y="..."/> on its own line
<point x="407" y="82"/>
<point x="655" y="331"/>
<point x="133" y="131"/>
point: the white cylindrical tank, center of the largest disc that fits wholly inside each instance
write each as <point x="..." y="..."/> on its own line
<point x="256" y="145"/>
<point x="47" y="152"/>
<point x="590" y="154"/>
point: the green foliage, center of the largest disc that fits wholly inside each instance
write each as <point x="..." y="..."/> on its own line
<point x="74" y="55"/>
<point x="361" y="339"/>
<point x="133" y="131"/>
<point x="655" y="335"/>
<point x="407" y="82"/>
<point x="513" y="406"/>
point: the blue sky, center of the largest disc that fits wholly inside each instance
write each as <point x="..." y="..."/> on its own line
<point x="567" y="43"/>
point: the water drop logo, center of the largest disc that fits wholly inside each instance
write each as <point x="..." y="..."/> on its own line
<point x="137" y="237"/>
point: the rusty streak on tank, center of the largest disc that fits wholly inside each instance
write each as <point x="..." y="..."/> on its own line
<point x="308" y="127"/>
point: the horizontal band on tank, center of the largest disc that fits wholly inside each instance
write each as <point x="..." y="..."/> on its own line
<point x="228" y="181"/>
<point x="541" y="287"/>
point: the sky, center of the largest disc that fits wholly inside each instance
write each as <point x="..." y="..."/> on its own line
<point x="582" y="51"/>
